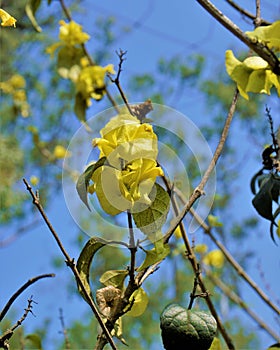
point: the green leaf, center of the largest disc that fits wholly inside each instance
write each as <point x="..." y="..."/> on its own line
<point x="85" y="259"/>
<point x="84" y="178"/>
<point x="155" y="255"/>
<point x="263" y="200"/>
<point x="274" y="347"/>
<point x="150" y="220"/>
<point x="180" y="327"/>
<point x="31" y="8"/>
<point x="254" y="181"/>
<point x="68" y="60"/>
<point x="35" y="340"/>
<point x="80" y="107"/>
<point x="140" y="301"/>
<point x="114" y="278"/>
<point x="267" y="35"/>
<point x="277" y="212"/>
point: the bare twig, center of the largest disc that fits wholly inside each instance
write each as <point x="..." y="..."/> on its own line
<point x="21" y="230"/>
<point x="257" y="21"/>
<point x="262" y="50"/>
<point x="199" y="190"/>
<point x="193" y="294"/>
<point x="237" y="300"/>
<point x="208" y="230"/>
<point x="64" y="330"/>
<point x="195" y="266"/>
<point x="132" y="248"/>
<point x="4" y="339"/>
<point x="70" y="262"/>
<point x="20" y="291"/>
<point x="247" y="13"/>
<point x="121" y="54"/>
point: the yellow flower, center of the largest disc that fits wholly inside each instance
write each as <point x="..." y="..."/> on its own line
<point x="201" y="248"/>
<point x="214" y="258"/>
<point x="128" y="177"/>
<point x="60" y="152"/>
<point x="124" y="137"/>
<point x="91" y="82"/>
<point x="251" y="75"/>
<point x="120" y="190"/>
<point x="34" y="180"/>
<point x="7" y="19"/>
<point x="72" y="34"/>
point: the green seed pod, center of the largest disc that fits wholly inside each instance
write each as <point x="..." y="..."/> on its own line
<point x="186" y="329"/>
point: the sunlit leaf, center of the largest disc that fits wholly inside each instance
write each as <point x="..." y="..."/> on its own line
<point x="140" y="301"/>
<point x="114" y="278"/>
<point x="151" y="219"/>
<point x="31" y="9"/>
<point x="80" y="107"/>
<point x="85" y="260"/>
<point x="157" y="254"/>
<point x="84" y="178"/>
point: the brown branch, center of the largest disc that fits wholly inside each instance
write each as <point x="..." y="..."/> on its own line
<point x="247" y="13"/>
<point x="70" y="263"/>
<point x="121" y="54"/>
<point x="257" y="21"/>
<point x="237" y="300"/>
<point x="4" y="339"/>
<point x="263" y="51"/>
<point x="195" y="266"/>
<point x="64" y="330"/>
<point x="132" y="248"/>
<point x="241" y="272"/>
<point x="208" y="230"/>
<point x="199" y="190"/>
<point x="20" y="291"/>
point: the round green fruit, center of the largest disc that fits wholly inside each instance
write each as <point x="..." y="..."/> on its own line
<point x="186" y="329"/>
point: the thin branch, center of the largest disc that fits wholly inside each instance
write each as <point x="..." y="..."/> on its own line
<point x="199" y="190"/>
<point x="21" y="230"/>
<point x="241" y="272"/>
<point x="121" y="54"/>
<point x="65" y="10"/>
<point x="263" y="51"/>
<point x="4" y="339"/>
<point x="257" y="21"/>
<point x="193" y="294"/>
<point x="195" y="266"/>
<point x="247" y="13"/>
<point x="64" y="330"/>
<point x="132" y="248"/>
<point x="20" y="291"/>
<point x="70" y="262"/>
<point x="237" y="300"/>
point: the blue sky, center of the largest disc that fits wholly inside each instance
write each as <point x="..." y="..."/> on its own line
<point x="160" y="29"/>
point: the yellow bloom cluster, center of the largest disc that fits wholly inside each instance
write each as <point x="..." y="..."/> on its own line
<point x="74" y="65"/>
<point x="131" y="169"/>
<point x="15" y="86"/>
<point x="72" y="33"/>
<point x="6" y="19"/>
<point x="252" y="75"/>
<point x="214" y="258"/>
<point x="90" y="82"/>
